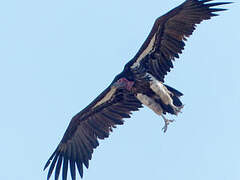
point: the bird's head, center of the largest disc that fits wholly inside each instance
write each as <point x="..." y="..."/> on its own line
<point x="123" y="83"/>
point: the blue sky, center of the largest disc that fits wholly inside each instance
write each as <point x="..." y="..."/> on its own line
<point x="57" y="56"/>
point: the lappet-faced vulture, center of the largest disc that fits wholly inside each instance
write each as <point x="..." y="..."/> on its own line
<point x="140" y="83"/>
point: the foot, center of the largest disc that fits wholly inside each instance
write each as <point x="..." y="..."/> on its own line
<point x="167" y="122"/>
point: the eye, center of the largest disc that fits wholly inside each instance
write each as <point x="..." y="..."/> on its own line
<point x="120" y="80"/>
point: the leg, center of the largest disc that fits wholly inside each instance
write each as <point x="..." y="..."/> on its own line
<point x="167" y="122"/>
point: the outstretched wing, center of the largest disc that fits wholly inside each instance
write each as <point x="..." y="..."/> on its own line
<point x="92" y="123"/>
<point x="166" y="39"/>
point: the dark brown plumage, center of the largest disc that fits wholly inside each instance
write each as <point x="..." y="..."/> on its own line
<point x="141" y="82"/>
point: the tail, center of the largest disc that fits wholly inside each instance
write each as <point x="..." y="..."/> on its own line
<point x="175" y="96"/>
<point x="174" y="91"/>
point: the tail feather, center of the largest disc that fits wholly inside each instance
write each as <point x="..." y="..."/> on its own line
<point x="174" y="91"/>
<point x="175" y="95"/>
<point x="176" y="101"/>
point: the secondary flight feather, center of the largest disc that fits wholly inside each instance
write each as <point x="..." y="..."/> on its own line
<point x="140" y="83"/>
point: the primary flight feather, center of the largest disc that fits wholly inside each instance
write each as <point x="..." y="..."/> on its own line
<point x="140" y="82"/>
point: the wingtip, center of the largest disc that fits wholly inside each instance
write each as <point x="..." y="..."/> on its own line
<point x="49" y="160"/>
<point x="205" y="1"/>
<point x="218" y="9"/>
<point x="215" y="3"/>
<point x="46" y="165"/>
<point x="226" y="2"/>
<point x="212" y="5"/>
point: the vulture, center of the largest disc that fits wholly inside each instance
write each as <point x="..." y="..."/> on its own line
<point x="140" y="83"/>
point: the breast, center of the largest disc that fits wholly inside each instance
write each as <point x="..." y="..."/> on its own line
<point x="142" y="86"/>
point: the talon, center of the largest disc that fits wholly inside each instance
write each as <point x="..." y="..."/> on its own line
<point x="167" y="122"/>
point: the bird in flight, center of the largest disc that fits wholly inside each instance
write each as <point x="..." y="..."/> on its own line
<point x="140" y="83"/>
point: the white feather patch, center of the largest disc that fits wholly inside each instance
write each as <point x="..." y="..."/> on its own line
<point x="161" y="90"/>
<point x="149" y="102"/>
<point x="145" y="52"/>
<point x="107" y="96"/>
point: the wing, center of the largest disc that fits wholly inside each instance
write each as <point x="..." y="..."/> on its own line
<point x="166" y="39"/>
<point x="92" y="123"/>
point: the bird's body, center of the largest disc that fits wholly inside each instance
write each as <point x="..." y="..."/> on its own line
<point x="140" y="82"/>
<point x="151" y="92"/>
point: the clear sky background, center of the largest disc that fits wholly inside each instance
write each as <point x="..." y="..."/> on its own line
<point x="57" y="56"/>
